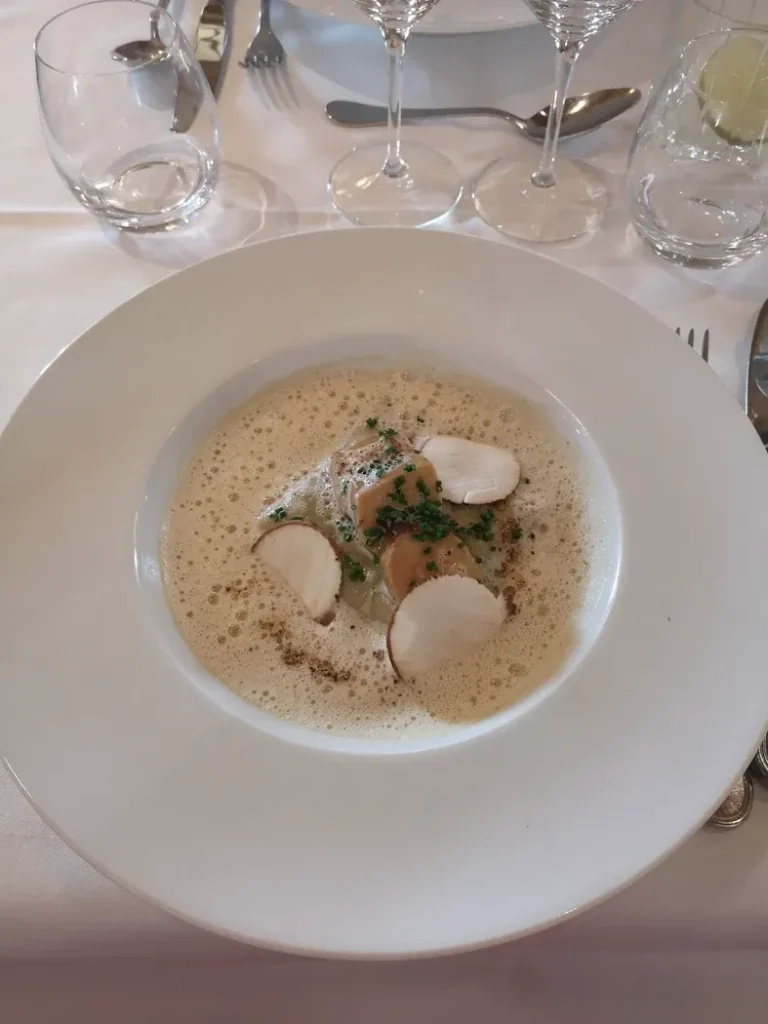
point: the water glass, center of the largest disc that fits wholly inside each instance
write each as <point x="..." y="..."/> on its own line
<point x="530" y="198"/>
<point x="404" y="185"/>
<point x="698" y="171"/>
<point x="135" y="137"/>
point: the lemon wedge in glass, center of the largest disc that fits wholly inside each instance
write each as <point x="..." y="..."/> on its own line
<point x="734" y="87"/>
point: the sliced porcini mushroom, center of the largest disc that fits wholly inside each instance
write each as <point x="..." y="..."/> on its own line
<point x="419" y="480"/>
<point x="441" y="620"/>
<point x="406" y="562"/>
<point x="470" y="473"/>
<point x="308" y="562"/>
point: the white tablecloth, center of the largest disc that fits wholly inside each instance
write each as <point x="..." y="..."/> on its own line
<point x="697" y="926"/>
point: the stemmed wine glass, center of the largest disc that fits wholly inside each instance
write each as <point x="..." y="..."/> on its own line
<point x="406" y="185"/>
<point x="527" y="201"/>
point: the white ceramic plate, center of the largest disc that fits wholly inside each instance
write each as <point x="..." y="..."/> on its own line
<point x="449" y="17"/>
<point x="281" y="836"/>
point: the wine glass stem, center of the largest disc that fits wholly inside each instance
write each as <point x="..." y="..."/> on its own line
<point x="544" y="177"/>
<point x="394" y="165"/>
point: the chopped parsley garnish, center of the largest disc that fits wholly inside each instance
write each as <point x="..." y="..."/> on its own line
<point x="483" y="528"/>
<point x="393" y="450"/>
<point x="346" y="530"/>
<point x="388" y="433"/>
<point x="409" y="468"/>
<point x="355" y="571"/>
<point x="278" y="515"/>
<point x="376" y="560"/>
<point x="422" y="488"/>
<point x="517" y="534"/>
<point x="373" y="535"/>
<point x="345" y="487"/>
<point x="431" y="566"/>
<point x="372" y="422"/>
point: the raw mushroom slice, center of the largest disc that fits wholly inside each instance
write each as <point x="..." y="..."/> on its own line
<point x="406" y="561"/>
<point x="470" y="473"/>
<point x="441" y="620"/>
<point x="308" y="562"/>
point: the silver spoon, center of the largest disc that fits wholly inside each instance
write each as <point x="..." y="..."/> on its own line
<point x="138" y="51"/>
<point x="582" y="113"/>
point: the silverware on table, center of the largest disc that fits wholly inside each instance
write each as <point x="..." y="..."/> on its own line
<point x="756" y="406"/>
<point x="756" y="398"/>
<point x="759" y="765"/>
<point x="582" y="113"/>
<point x="211" y="48"/>
<point x="704" y="351"/>
<point x="266" y="50"/>
<point x="136" y="51"/>
<point x="737" y="806"/>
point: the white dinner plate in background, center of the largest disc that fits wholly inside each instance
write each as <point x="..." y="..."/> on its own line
<point x="449" y="17"/>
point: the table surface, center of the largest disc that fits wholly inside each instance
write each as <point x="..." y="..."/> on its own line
<point x="61" y="271"/>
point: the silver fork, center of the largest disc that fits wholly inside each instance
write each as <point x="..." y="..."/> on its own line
<point x="704" y="353"/>
<point x="266" y="50"/>
<point x="737" y="806"/>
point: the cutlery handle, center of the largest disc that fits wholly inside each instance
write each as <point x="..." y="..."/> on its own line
<point x="757" y="377"/>
<point x="364" y="115"/>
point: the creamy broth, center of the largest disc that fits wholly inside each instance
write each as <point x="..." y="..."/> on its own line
<point x="249" y="631"/>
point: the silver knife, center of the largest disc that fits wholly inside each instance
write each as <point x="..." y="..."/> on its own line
<point x="757" y="377"/>
<point x="212" y="50"/>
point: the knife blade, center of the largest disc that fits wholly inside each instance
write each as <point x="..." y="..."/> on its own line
<point x="757" y="377"/>
<point x="212" y="51"/>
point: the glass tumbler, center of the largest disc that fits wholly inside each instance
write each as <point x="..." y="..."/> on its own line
<point x="127" y="114"/>
<point x="698" y="169"/>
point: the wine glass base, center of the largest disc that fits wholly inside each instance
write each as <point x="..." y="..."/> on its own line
<point x="507" y="200"/>
<point x="426" y="191"/>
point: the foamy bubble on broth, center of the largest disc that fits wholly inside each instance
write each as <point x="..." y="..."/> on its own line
<point x="249" y="631"/>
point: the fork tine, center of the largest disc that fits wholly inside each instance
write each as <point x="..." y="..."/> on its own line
<point x="284" y="87"/>
<point x="690" y="338"/>
<point x="705" y="346"/>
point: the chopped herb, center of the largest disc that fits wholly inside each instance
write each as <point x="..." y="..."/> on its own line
<point x="345" y="487"/>
<point x="393" y="450"/>
<point x="372" y="422"/>
<point x="278" y="514"/>
<point x="296" y="519"/>
<point x="431" y="566"/>
<point x="388" y="433"/>
<point x="373" y="535"/>
<point x="517" y="534"/>
<point x="355" y="570"/>
<point x="422" y="488"/>
<point x="412" y="584"/>
<point x="409" y="468"/>
<point x="346" y="530"/>
<point x="399" y="481"/>
<point x="428" y="551"/>
<point x="376" y="560"/>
